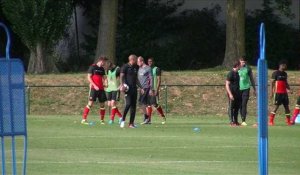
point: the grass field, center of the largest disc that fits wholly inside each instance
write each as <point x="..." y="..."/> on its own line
<point x="61" y="145"/>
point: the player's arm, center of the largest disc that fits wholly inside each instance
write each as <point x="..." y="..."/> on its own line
<point x="272" y="87"/>
<point x="105" y="81"/>
<point x="273" y="83"/>
<point x="89" y="77"/>
<point x="138" y="83"/>
<point x="158" y="75"/>
<point x="151" y="82"/>
<point x="288" y="87"/>
<point x="227" y="86"/>
<point x="118" y="73"/>
<point x="252" y="80"/>
<point x="122" y="75"/>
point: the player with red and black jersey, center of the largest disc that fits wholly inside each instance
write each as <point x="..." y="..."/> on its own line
<point x="279" y="91"/>
<point x="97" y="79"/>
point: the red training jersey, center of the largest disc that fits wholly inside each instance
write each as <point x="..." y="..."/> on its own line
<point x="280" y="78"/>
<point x="97" y="75"/>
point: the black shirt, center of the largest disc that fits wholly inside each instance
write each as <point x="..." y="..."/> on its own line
<point x="130" y="74"/>
<point x="234" y="79"/>
<point x="96" y="70"/>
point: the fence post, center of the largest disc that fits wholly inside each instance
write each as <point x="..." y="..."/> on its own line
<point x="166" y="99"/>
<point x="28" y="100"/>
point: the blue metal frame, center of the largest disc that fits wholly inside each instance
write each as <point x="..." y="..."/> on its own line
<point x="12" y="133"/>
<point x="262" y="105"/>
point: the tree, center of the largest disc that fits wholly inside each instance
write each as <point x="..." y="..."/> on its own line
<point x="106" y="42"/>
<point x="39" y="24"/>
<point x="235" y="31"/>
<point x="235" y="28"/>
<point x="282" y="39"/>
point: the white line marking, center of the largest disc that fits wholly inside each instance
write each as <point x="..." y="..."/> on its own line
<point x="152" y="162"/>
<point x="102" y="136"/>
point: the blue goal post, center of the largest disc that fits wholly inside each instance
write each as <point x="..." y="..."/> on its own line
<point x="262" y="105"/>
<point x="12" y="110"/>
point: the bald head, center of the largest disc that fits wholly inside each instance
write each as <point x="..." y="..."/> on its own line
<point x="140" y="61"/>
<point x="132" y="59"/>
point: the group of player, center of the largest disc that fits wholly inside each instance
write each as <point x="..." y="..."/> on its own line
<point x="238" y="83"/>
<point x="106" y="81"/>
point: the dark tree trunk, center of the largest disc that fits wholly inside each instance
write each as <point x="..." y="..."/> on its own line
<point x="38" y="62"/>
<point x="235" y="31"/>
<point x="106" y="43"/>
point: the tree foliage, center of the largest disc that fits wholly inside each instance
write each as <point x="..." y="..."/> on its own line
<point x="282" y="40"/>
<point x="176" y="40"/>
<point x="38" y="22"/>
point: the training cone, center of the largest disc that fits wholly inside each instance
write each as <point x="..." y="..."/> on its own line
<point x="297" y="119"/>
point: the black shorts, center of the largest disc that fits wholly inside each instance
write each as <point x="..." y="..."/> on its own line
<point x="113" y="95"/>
<point x="281" y="99"/>
<point x="144" y="98"/>
<point x="100" y="94"/>
<point x="153" y="100"/>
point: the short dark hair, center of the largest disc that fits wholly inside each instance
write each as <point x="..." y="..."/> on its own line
<point x="243" y="58"/>
<point x="150" y="58"/>
<point x="283" y="61"/>
<point x="101" y="58"/>
<point x="236" y="64"/>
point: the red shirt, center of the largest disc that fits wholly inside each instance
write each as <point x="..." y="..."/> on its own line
<point x="280" y="78"/>
<point x="97" y="75"/>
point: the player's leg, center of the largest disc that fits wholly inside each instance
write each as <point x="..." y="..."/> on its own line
<point x="296" y="111"/>
<point x="115" y="98"/>
<point x="109" y="104"/>
<point x="245" y="98"/>
<point x="158" y="108"/>
<point x="143" y="100"/>
<point x="127" y="107"/>
<point x="230" y="111"/>
<point x="237" y="105"/>
<point x="277" y="103"/>
<point x="102" y="99"/>
<point x="114" y="108"/>
<point x="151" y="102"/>
<point x="133" y="108"/>
<point x="86" y="110"/>
<point x="149" y="111"/>
<point x="287" y="109"/>
<point x="272" y="115"/>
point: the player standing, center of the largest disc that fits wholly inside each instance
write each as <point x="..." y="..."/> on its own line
<point x="246" y="80"/>
<point x="296" y="110"/>
<point x="97" y="79"/>
<point x="156" y="79"/>
<point x="112" y="91"/>
<point x="280" y="87"/>
<point x="145" y="79"/>
<point x="128" y="78"/>
<point x="234" y="94"/>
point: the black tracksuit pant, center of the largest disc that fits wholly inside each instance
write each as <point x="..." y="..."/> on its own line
<point x="244" y="102"/>
<point x="233" y="107"/>
<point x="130" y="101"/>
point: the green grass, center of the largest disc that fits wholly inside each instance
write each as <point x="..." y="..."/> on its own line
<point x="61" y="145"/>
